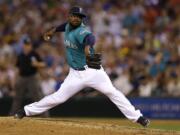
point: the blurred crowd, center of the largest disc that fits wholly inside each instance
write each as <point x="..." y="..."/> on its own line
<point x="139" y="40"/>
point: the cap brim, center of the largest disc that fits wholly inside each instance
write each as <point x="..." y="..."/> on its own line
<point x="80" y="14"/>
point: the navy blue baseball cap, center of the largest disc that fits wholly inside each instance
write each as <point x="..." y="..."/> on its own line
<point x="77" y="11"/>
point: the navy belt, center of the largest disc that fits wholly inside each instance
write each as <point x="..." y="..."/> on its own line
<point x="80" y="69"/>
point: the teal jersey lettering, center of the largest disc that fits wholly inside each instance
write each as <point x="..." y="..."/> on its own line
<point x="73" y="41"/>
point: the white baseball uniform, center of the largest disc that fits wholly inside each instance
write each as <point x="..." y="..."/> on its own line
<point x="76" y="81"/>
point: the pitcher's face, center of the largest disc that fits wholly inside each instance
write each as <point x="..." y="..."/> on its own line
<point x="75" y="20"/>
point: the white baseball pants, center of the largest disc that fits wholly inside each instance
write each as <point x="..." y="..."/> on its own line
<point x="76" y="81"/>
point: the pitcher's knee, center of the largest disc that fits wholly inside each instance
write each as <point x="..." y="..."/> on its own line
<point x="60" y="99"/>
<point x="54" y="99"/>
<point x="109" y="91"/>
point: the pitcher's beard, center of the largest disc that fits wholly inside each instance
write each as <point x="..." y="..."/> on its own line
<point x="75" y="25"/>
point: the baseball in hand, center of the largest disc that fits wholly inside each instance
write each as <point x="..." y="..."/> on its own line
<point x="47" y="37"/>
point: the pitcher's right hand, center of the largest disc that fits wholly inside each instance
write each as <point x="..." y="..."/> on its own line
<point x="48" y="35"/>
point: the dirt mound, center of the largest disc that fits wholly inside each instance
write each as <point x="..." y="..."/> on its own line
<point x="42" y="126"/>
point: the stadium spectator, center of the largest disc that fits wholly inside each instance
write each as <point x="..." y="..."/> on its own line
<point x="141" y="37"/>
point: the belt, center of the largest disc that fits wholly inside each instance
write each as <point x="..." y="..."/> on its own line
<point x="81" y="69"/>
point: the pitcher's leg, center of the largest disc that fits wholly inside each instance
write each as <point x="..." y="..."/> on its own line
<point x="105" y="86"/>
<point x="67" y="90"/>
<point x="120" y="101"/>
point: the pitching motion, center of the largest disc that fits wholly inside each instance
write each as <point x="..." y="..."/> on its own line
<point x="85" y="71"/>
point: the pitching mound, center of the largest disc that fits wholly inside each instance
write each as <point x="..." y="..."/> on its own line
<point x="42" y="126"/>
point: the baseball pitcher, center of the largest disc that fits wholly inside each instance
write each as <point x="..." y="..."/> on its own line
<point x="85" y="71"/>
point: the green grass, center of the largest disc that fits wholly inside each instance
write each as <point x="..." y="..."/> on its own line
<point x="166" y="124"/>
<point x="166" y="127"/>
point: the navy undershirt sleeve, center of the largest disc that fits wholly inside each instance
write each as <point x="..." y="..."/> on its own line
<point x="61" y="28"/>
<point x="89" y="40"/>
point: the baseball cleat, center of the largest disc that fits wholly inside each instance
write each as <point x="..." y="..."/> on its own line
<point x="143" y="121"/>
<point x="20" y="114"/>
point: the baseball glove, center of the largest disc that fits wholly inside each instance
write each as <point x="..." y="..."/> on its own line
<point x="94" y="60"/>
